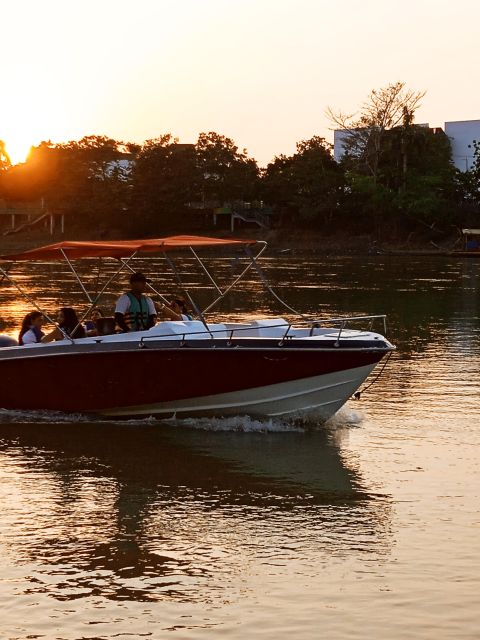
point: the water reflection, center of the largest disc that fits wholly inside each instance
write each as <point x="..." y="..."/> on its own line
<point x="148" y="513"/>
<point x="136" y="527"/>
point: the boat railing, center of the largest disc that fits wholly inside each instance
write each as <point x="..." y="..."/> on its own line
<point x="344" y="322"/>
<point x="319" y="323"/>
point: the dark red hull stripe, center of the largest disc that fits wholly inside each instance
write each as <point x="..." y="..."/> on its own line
<point x="105" y="379"/>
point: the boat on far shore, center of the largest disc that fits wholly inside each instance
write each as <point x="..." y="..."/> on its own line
<point x="471" y="244"/>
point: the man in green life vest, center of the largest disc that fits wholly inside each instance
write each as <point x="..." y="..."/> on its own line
<point x="134" y="310"/>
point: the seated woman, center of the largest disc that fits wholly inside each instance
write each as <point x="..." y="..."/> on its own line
<point x="176" y="309"/>
<point x="31" y="330"/>
<point x="68" y="322"/>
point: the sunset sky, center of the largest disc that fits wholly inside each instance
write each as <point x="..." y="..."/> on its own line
<point x="259" y="71"/>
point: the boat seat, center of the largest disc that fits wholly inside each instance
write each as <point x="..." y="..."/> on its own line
<point x="105" y="325"/>
<point x="194" y="329"/>
<point x="267" y="328"/>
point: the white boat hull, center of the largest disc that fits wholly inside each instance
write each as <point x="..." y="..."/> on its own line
<point x="323" y="394"/>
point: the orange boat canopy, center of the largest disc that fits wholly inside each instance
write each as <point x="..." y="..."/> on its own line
<point x="119" y="248"/>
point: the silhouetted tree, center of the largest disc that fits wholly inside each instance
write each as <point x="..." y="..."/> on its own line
<point x="424" y="187"/>
<point x="306" y="186"/>
<point x="384" y="109"/>
<point x="166" y="179"/>
<point x="83" y="179"/>
<point x="468" y="183"/>
<point x="415" y="184"/>
<point x="227" y="173"/>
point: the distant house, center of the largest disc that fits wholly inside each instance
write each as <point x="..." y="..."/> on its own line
<point x="20" y="216"/>
<point x="461" y="133"/>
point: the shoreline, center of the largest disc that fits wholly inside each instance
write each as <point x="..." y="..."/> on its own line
<point x="282" y="241"/>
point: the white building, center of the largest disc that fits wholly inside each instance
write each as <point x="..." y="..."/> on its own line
<point x="122" y="167"/>
<point x="339" y="137"/>
<point x="462" y="133"/>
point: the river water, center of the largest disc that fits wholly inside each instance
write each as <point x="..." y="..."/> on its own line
<point x="367" y="527"/>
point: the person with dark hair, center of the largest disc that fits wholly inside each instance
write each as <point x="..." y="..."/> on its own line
<point x="99" y="325"/>
<point x="31" y="329"/>
<point x="95" y="314"/>
<point x="90" y="325"/>
<point x="134" y="310"/>
<point x="176" y="309"/>
<point x="67" y="324"/>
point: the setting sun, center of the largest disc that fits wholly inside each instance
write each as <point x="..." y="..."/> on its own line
<point x="30" y="121"/>
<point x="35" y="111"/>
<point x="17" y="149"/>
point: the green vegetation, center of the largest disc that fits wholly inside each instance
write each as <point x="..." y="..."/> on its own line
<point x="395" y="179"/>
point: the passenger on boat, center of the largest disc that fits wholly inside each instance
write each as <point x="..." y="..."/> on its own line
<point x="91" y="324"/>
<point x="31" y="330"/>
<point x="176" y="309"/>
<point x="100" y="325"/>
<point x="134" y="310"/>
<point x="67" y="324"/>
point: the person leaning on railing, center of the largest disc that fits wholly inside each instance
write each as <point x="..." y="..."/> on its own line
<point x="176" y="309"/>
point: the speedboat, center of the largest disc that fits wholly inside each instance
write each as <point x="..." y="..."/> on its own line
<point x="264" y="367"/>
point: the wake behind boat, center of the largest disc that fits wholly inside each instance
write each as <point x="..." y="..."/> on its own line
<point x="267" y="367"/>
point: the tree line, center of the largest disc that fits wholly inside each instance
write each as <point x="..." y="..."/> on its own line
<point x="394" y="178"/>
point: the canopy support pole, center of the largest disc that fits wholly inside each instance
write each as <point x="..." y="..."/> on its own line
<point x="76" y="275"/>
<point x="32" y="302"/>
<point x="5" y="272"/>
<point x="94" y="302"/>
<point x="179" y="280"/>
<point x="151" y="287"/>
<point x="267" y="286"/>
<point x="204" y="268"/>
<point x="230" y="287"/>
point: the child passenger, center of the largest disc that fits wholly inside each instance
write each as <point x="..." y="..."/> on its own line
<point x="91" y="325"/>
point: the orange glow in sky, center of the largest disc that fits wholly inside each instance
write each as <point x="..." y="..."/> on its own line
<point x="259" y="71"/>
<point x="17" y="148"/>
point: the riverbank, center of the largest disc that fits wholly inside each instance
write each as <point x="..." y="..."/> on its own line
<point x="298" y="242"/>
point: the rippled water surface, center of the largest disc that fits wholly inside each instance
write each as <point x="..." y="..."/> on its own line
<point x="368" y="527"/>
